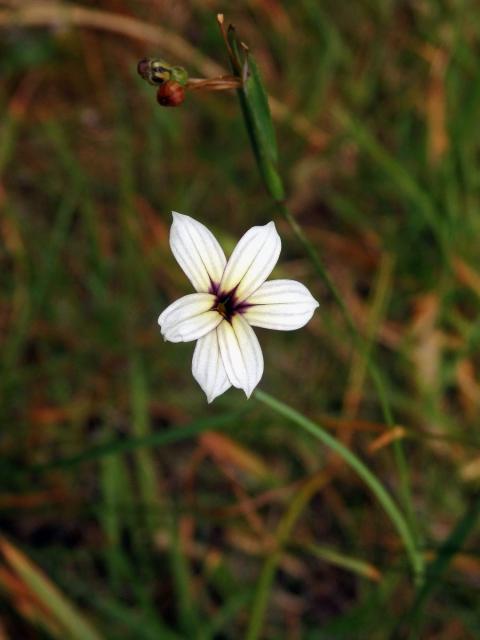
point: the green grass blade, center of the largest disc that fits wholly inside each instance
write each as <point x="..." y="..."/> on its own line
<point x="384" y="498"/>
<point x="437" y="569"/>
<point x="404" y="182"/>
<point x="223" y="421"/>
<point x="284" y="529"/>
<point x="72" y="621"/>
<point x="335" y="557"/>
<point x="228" y="611"/>
<point x="113" y="481"/>
<point x="183" y="584"/>
<point x="146" y="468"/>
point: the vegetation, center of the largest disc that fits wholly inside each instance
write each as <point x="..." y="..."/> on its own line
<point x="341" y="500"/>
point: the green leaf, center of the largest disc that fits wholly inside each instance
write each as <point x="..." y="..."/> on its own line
<point x="256" y="112"/>
<point x="175" y="434"/>
<point x="340" y="559"/>
<point x="384" y="498"/>
<point x="435" y="571"/>
<point x="185" y="599"/>
<point x="258" y="100"/>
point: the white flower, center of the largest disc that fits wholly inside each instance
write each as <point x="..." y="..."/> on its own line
<point x="231" y="298"/>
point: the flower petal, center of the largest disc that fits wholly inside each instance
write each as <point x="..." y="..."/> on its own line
<point x="185" y="307"/>
<point x="241" y="354"/>
<point x="252" y="261"/>
<point x="194" y="328"/>
<point x="197" y="252"/>
<point x="207" y="367"/>
<point x="189" y="318"/>
<point x="280" y="304"/>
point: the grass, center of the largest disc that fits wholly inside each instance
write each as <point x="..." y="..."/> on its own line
<point x="129" y="507"/>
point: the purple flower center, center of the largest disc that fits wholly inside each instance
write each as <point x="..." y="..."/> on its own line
<point x="227" y="304"/>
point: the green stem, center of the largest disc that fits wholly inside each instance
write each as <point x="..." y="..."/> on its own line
<point x="315" y="258"/>
<point x="384" y="498"/>
<point x="261" y="132"/>
<point x="124" y="445"/>
<point x="358" y="341"/>
<point x="273" y="183"/>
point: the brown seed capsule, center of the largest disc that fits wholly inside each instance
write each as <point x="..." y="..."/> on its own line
<point x="170" y="94"/>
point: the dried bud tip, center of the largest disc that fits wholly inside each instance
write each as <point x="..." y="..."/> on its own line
<point x="143" y="67"/>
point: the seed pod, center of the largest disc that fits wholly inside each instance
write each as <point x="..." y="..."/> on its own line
<point x="170" y="94"/>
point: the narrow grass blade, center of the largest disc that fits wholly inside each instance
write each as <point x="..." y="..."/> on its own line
<point x="183" y="583"/>
<point x="73" y="623"/>
<point x="354" y="565"/>
<point x="40" y="282"/>
<point x="113" y="481"/>
<point x="400" y="177"/>
<point x="146" y="469"/>
<point x="225" y="615"/>
<point x="435" y="572"/>
<point x="397" y="518"/>
<point x="284" y="529"/>
<point x="175" y="434"/>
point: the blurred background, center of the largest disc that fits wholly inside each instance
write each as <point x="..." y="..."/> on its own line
<point x="112" y="527"/>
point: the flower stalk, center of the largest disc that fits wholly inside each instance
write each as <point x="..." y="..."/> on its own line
<point x="173" y="81"/>
<point x="256" y="112"/>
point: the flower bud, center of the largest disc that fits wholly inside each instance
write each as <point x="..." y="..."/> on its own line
<point x="154" y="71"/>
<point x="170" y="94"/>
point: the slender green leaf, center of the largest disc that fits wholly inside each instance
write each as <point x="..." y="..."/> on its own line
<point x="256" y="111"/>
<point x="436" y="570"/>
<point x="146" y="469"/>
<point x="284" y="530"/>
<point x="339" y="559"/>
<point x="183" y="583"/>
<point x="258" y="100"/>
<point x="176" y="434"/>
<point x="387" y="502"/>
